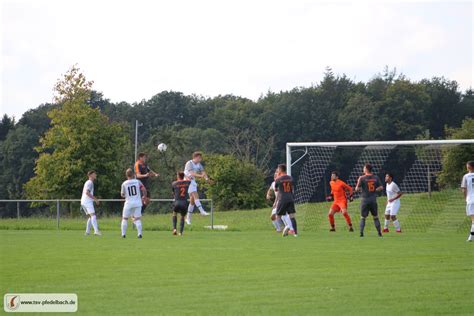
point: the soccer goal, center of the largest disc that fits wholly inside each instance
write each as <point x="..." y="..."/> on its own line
<point x="428" y="203"/>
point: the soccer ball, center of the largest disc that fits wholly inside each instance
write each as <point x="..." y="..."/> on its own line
<point x="162" y="147"/>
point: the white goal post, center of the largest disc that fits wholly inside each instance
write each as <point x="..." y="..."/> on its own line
<point x="289" y="146"/>
<point x="416" y="164"/>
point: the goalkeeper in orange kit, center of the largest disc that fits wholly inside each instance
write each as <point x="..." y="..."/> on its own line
<point x="339" y="189"/>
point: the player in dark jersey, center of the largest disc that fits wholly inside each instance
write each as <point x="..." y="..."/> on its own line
<point x="144" y="173"/>
<point x="181" y="196"/>
<point x="370" y="185"/>
<point x="285" y="208"/>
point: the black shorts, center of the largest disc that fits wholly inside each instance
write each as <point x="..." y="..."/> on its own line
<point x="181" y="207"/>
<point x="366" y="207"/>
<point x="285" y="207"/>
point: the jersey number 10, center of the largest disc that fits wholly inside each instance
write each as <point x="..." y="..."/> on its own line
<point x="132" y="191"/>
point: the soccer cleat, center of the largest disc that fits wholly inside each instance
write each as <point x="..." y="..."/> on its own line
<point x="123" y="236"/>
<point x="361" y="234"/>
<point x="188" y="221"/>
<point x="398" y="231"/>
<point x="98" y="234"/>
<point x="285" y="231"/>
<point x="140" y="237"/>
<point x="470" y="238"/>
<point x="351" y="229"/>
<point x="332" y="229"/>
<point x="385" y="230"/>
<point x="204" y="213"/>
<point x="174" y="232"/>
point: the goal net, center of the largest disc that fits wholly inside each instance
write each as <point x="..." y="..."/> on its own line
<point x="427" y="204"/>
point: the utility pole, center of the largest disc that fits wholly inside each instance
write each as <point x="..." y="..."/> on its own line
<point x="136" y="137"/>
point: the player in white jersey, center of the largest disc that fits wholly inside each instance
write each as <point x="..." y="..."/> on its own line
<point x="273" y="195"/>
<point x="192" y="170"/>
<point x="87" y="203"/>
<point x="467" y="186"/>
<point x="393" y="203"/>
<point x="133" y="202"/>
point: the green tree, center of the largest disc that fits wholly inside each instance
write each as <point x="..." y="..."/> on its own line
<point x="455" y="158"/>
<point x="80" y="138"/>
<point x="6" y="124"/>
<point x="237" y="184"/>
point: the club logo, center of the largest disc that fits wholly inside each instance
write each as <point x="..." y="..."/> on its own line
<point x="12" y="302"/>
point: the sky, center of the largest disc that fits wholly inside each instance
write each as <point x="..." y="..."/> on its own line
<point x="133" y="50"/>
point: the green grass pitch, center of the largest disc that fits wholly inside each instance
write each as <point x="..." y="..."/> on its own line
<point x="249" y="269"/>
<point x="244" y="272"/>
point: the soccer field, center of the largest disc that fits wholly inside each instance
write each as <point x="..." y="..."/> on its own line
<point x="254" y="272"/>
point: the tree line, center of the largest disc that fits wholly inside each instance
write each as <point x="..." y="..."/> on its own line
<point x="49" y="146"/>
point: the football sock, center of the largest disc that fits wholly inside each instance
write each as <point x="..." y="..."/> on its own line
<point x="124" y="226"/>
<point x="88" y="226"/>
<point x="276" y="224"/>
<point x="348" y="219"/>
<point x="175" y="221"/>
<point x="293" y="222"/>
<point x="190" y="208"/>
<point x="362" y="224"/>
<point x="138" y="224"/>
<point x="287" y="221"/>
<point x="94" y="223"/>
<point x="396" y="223"/>
<point x="387" y="221"/>
<point x="331" y="220"/>
<point x="377" y="225"/>
<point x="199" y="206"/>
<point x="181" y="224"/>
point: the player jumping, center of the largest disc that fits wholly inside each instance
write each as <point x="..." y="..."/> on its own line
<point x="181" y="196"/>
<point x="338" y="192"/>
<point x="369" y="184"/>
<point x="192" y="170"/>
<point x="285" y="207"/>
<point x="272" y="195"/>
<point x="393" y="203"/>
<point x="467" y="187"/>
<point x="87" y="203"/>
<point x="144" y="173"/>
<point x="130" y="190"/>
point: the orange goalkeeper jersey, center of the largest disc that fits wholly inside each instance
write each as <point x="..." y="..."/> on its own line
<point x="338" y="190"/>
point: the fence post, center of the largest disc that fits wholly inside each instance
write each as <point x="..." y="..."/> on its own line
<point x="18" y="210"/>
<point x="212" y="215"/>
<point x="57" y="214"/>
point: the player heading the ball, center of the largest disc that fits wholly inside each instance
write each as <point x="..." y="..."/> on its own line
<point x="192" y="170"/>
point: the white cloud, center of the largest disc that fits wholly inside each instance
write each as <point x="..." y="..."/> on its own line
<point x="135" y="49"/>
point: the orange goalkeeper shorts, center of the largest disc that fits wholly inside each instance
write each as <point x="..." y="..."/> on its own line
<point x="338" y="206"/>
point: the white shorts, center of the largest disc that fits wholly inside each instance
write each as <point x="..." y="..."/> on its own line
<point x="88" y="208"/>
<point x="132" y="211"/>
<point x="193" y="187"/>
<point x="469" y="209"/>
<point x="392" y="208"/>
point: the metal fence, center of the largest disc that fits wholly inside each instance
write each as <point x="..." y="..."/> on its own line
<point x="59" y="201"/>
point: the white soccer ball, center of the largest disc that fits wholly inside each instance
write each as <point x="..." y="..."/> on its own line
<point x="162" y="147"/>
